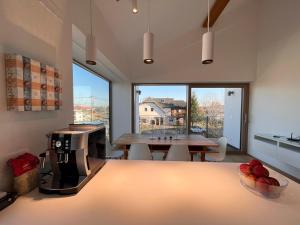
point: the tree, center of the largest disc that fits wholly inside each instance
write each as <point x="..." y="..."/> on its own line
<point x="214" y="110"/>
<point x="194" y="109"/>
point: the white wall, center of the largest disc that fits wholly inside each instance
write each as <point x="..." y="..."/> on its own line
<point x="31" y="30"/>
<point x="121" y="108"/>
<point x="232" y="116"/>
<point x="274" y="103"/>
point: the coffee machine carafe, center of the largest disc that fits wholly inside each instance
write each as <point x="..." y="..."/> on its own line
<point x="75" y="154"/>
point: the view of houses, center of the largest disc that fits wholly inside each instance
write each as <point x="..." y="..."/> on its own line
<point x="89" y="111"/>
<point x="162" y="114"/>
<point x="83" y="113"/>
<point x="170" y="115"/>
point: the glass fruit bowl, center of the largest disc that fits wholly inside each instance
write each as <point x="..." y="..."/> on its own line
<point x="262" y="188"/>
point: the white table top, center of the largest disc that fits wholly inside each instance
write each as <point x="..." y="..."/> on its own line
<point x="156" y="193"/>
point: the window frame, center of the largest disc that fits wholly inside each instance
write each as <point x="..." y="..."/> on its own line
<point x="109" y="95"/>
<point x="245" y="105"/>
<point x="244" y="112"/>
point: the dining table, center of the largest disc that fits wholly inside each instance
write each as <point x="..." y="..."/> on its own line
<point x="196" y="143"/>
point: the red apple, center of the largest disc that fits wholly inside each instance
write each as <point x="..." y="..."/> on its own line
<point x="273" y="181"/>
<point x="260" y="171"/>
<point x="262" y="184"/>
<point x="255" y="162"/>
<point x="245" y="169"/>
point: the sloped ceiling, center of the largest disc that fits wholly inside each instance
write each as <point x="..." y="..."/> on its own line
<point x="176" y="25"/>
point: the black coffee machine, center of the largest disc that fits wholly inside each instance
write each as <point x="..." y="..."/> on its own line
<point x="75" y="156"/>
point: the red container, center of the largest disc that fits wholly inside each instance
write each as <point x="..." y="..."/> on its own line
<point x="23" y="163"/>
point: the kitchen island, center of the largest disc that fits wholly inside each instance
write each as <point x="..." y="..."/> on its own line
<point x="158" y="193"/>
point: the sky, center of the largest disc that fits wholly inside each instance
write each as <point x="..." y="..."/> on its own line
<point x="87" y="84"/>
<point x="158" y="91"/>
<point x="179" y="92"/>
<point x="203" y="94"/>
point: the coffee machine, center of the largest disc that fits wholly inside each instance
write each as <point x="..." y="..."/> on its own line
<point x="75" y="155"/>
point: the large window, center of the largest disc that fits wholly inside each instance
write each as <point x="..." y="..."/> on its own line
<point x="161" y="109"/>
<point x="210" y="110"/>
<point x="91" y="97"/>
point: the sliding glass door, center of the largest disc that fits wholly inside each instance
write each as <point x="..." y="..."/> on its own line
<point x="207" y="112"/>
<point x="220" y="111"/>
<point x="216" y="112"/>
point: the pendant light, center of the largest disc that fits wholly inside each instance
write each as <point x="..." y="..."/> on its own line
<point x="90" y="44"/>
<point x="135" y="9"/>
<point x="208" y="42"/>
<point x="148" y="42"/>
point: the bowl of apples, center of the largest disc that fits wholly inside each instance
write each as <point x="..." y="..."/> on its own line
<point x="257" y="179"/>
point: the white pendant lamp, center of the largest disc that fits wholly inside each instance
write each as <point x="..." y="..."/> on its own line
<point x="208" y="43"/>
<point x="90" y="44"/>
<point x="148" y="43"/>
<point x="135" y="9"/>
<point x="148" y="47"/>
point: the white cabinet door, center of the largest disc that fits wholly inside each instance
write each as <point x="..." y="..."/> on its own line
<point x="289" y="155"/>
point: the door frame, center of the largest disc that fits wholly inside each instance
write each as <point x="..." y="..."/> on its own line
<point x="244" y="111"/>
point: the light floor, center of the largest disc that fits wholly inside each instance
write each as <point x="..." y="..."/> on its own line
<point x="235" y="158"/>
<point x="238" y="158"/>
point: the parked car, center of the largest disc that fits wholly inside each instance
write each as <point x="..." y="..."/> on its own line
<point x="197" y="129"/>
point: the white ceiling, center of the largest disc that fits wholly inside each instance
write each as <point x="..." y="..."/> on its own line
<point x="176" y="24"/>
<point x="169" y="19"/>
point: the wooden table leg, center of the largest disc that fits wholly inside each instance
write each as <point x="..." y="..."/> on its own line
<point x="202" y="154"/>
<point x="125" y="152"/>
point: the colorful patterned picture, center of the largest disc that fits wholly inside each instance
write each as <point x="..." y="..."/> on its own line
<point x="31" y="85"/>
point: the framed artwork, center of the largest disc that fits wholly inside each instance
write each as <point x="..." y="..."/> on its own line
<point x="31" y="85"/>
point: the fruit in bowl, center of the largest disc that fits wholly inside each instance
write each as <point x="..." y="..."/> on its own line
<point x="255" y="162"/>
<point x="256" y="178"/>
<point x="245" y="169"/>
<point x="259" y="171"/>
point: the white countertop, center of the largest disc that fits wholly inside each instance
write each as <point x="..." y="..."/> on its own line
<point x="158" y="193"/>
<point x="280" y="139"/>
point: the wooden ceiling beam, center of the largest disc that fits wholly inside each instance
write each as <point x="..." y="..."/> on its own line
<point x="215" y="12"/>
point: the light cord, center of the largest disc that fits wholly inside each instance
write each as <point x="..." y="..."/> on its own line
<point x="149" y="15"/>
<point x="208" y="15"/>
<point x="91" y="17"/>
